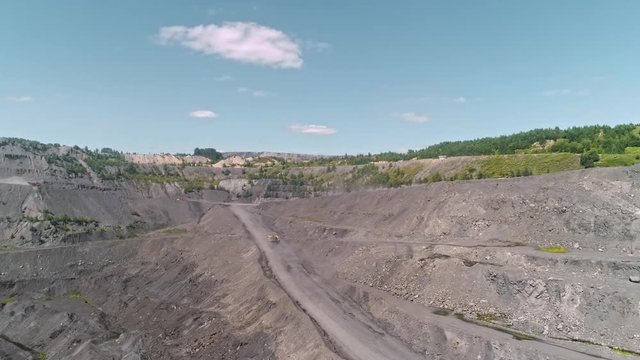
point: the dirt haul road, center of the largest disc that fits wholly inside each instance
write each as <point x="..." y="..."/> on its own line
<point x="350" y="328"/>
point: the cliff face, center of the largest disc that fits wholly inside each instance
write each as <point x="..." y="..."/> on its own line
<point x="162" y="159"/>
<point x="50" y="196"/>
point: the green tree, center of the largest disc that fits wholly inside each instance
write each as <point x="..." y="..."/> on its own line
<point x="210" y="153"/>
<point x="589" y="158"/>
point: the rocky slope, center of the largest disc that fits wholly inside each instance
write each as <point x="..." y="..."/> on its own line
<point x="550" y="256"/>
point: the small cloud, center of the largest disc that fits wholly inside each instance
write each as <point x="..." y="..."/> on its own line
<point x="261" y="93"/>
<point x="203" y="114"/>
<point x="413" y="117"/>
<point x="241" y="41"/>
<point x="313" y="129"/>
<point x="224" y="78"/>
<point x="460" y="100"/>
<point x="318" y="46"/>
<point x="21" y="98"/>
<point x="255" y="93"/>
<point x="566" y="92"/>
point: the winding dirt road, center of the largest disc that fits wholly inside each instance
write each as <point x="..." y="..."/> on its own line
<point x="348" y="328"/>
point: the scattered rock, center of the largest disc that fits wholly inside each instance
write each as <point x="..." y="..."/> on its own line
<point x="634" y="279"/>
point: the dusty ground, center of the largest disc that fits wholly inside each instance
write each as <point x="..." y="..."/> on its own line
<point x="196" y="291"/>
<point x="451" y="270"/>
<point x="473" y="248"/>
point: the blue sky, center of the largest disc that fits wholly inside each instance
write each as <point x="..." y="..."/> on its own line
<point x="327" y="77"/>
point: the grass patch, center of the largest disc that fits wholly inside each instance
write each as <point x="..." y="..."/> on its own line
<point x="490" y="318"/>
<point x="7" y="300"/>
<point x="632" y="150"/>
<point x="528" y="164"/>
<point x="554" y="249"/>
<point x="621" y="351"/>
<point x="175" y="231"/>
<point x="611" y="160"/>
<point x="521" y="336"/>
<point x="42" y="356"/>
<point x="77" y="296"/>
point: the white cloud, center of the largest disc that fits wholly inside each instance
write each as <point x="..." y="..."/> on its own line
<point x="460" y="100"/>
<point x="566" y="92"/>
<point x="413" y="117"/>
<point x="313" y="129"/>
<point x="21" y="98"/>
<point x="261" y="93"/>
<point x="318" y="46"/>
<point x="203" y="114"/>
<point x="255" y="93"/>
<point x="241" y="41"/>
<point x="224" y="78"/>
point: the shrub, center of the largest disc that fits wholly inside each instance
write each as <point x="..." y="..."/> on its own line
<point x="554" y="249"/>
<point x="589" y="158"/>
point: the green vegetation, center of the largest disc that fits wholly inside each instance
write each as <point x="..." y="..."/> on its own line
<point x="7" y="300"/>
<point x="135" y="224"/>
<point x="371" y="175"/>
<point x="209" y="153"/>
<point x="193" y="185"/>
<point x="175" y="231"/>
<point x="57" y="220"/>
<point x="609" y="160"/>
<point x="602" y="139"/>
<point x="632" y="150"/>
<point x="576" y="140"/>
<point x="5" y="247"/>
<point x="106" y="163"/>
<point x="624" y="352"/>
<point x="66" y="162"/>
<point x="521" y="336"/>
<point x="42" y="356"/>
<point x="589" y="158"/>
<point x="490" y="317"/>
<point x="395" y="176"/>
<point x="527" y="164"/>
<point x="77" y="296"/>
<point x="554" y="249"/>
<point x="431" y="178"/>
<point x="29" y="145"/>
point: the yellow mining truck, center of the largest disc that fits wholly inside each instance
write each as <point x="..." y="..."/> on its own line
<point x="273" y="238"/>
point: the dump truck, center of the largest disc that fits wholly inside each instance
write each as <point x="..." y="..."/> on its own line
<point x="273" y="238"/>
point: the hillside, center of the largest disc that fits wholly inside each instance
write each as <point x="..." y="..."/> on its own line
<point x="109" y="255"/>
<point x="619" y="139"/>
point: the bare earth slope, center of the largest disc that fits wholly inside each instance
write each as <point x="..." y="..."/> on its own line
<point x="197" y="291"/>
<point x="453" y="270"/>
<point x="474" y="248"/>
